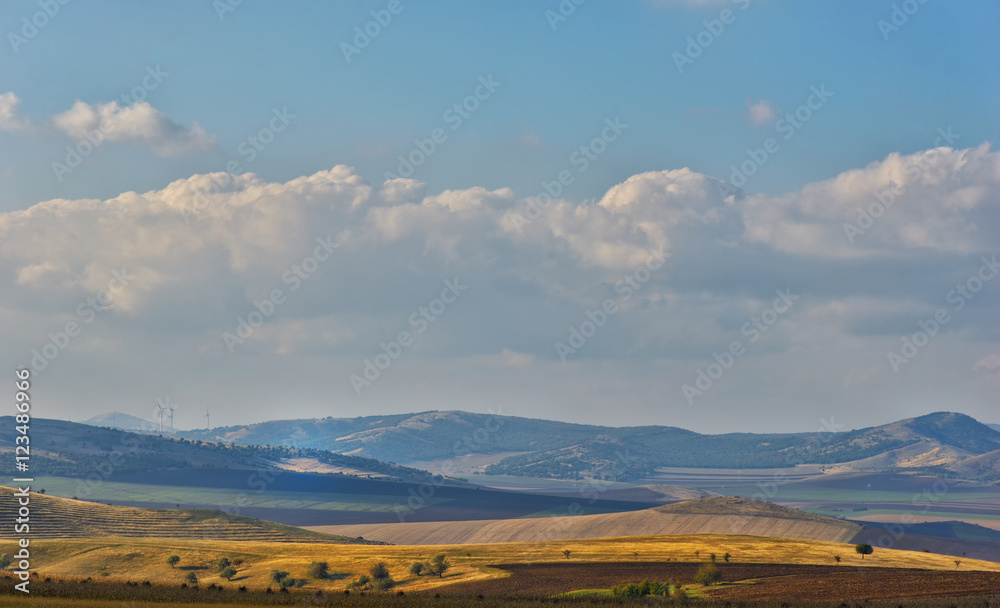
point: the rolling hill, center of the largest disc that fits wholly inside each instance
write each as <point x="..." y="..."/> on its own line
<point x="74" y="449"/>
<point x="53" y="517"/>
<point x="548" y="449"/>
<point x="724" y="515"/>
<point x="717" y="515"/>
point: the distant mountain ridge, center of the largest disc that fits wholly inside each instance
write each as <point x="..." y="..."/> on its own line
<point x="550" y="449"/>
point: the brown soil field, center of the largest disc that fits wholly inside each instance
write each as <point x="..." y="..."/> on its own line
<point x="752" y="581"/>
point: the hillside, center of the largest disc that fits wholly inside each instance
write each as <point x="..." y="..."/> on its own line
<point x="123" y="422"/>
<point x="719" y="515"/>
<point x="548" y="449"/>
<point x="53" y="517"/>
<point x="74" y="449"/>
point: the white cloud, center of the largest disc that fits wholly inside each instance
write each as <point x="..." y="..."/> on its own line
<point x="760" y="112"/>
<point x="940" y="201"/>
<point x="397" y="243"/>
<point x="139" y="122"/>
<point x="9" y="121"/>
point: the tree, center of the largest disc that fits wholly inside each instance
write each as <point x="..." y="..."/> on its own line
<point x="439" y="565"/>
<point x="228" y="573"/>
<point x="191" y="578"/>
<point x="708" y="574"/>
<point x="566" y="552"/>
<point x="278" y="575"/>
<point x="379" y="571"/>
<point x="319" y="570"/>
<point x="726" y="557"/>
<point x="5" y="561"/>
<point x="958" y="563"/>
<point x="173" y="559"/>
<point x="222" y="564"/>
<point x="416" y="568"/>
<point x="836" y="558"/>
<point x="864" y="549"/>
<point x="711" y="557"/>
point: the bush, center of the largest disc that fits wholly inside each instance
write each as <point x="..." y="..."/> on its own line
<point x="278" y="575"/>
<point x="319" y="570"/>
<point x="417" y="567"/>
<point x="379" y="571"/>
<point x="222" y="564"/>
<point x="362" y="582"/>
<point x="642" y="589"/>
<point x="5" y="561"/>
<point x="191" y="578"/>
<point x="228" y="573"/>
<point x="708" y="574"/>
<point x="173" y="559"/>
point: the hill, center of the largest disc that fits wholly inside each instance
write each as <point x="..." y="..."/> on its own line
<point x="724" y="515"/>
<point x="549" y="449"/>
<point x="74" y="449"/>
<point x="123" y="422"/>
<point x="53" y="517"/>
<point x="718" y="515"/>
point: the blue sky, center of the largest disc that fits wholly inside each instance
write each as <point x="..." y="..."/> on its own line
<point x="892" y="95"/>
<point x="606" y="59"/>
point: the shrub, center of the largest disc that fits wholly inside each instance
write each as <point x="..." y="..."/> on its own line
<point x="278" y="575"/>
<point x="417" y="567"/>
<point x="191" y="578"/>
<point x="566" y="552"/>
<point x="319" y="570"/>
<point x="642" y="589"/>
<point x="5" y="561"/>
<point x="708" y="574"/>
<point x="726" y="557"/>
<point x="836" y="558"/>
<point x="222" y="564"/>
<point x="379" y="571"/>
<point x="173" y="559"/>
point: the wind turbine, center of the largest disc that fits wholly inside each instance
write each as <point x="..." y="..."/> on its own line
<point x="168" y="407"/>
<point x="159" y="413"/>
<point x="208" y="421"/>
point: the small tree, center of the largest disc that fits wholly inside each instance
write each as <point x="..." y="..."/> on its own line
<point x="711" y="557"/>
<point x="5" y="561"/>
<point x="319" y="570"/>
<point x="191" y="578"/>
<point x="836" y="558"/>
<point x="566" y="552"/>
<point x="278" y="575"/>
<point x="958" y="563"/>
<point x="379" y="571"/>
<point x="222" y="564"/>
<point x="416" y="568"/>
<point x="439" y="565"/>
<point x="173" y="559"/>
<point x="726" y="557"/>
<point x="864" y="549"/>
<point x="708" y="574"/>
<point x="228" y="573"/>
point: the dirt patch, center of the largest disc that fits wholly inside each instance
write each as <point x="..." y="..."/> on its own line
<point x="763" y="581"/>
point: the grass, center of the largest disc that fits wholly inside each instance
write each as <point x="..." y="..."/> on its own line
<point x="142" y="559"/>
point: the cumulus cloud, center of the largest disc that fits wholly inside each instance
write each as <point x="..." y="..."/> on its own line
<point x="139" y="122"/>
<point x="939" y="201"/>
<point x="9" y="120"/>
<point x="208" y="250"/>
<point x="760" y="112"/>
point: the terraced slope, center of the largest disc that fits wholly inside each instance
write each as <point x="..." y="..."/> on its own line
<point x="721" y="515"/>
<point x="53" y="517"/>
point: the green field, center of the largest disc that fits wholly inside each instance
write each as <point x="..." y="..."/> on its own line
<point x="109" y="491"/>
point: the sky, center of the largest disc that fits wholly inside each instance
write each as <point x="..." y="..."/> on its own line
<point x="723" y="215"/>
